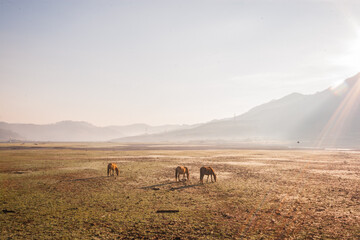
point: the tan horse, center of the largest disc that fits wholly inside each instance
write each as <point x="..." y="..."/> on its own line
<point x="111" y="169"/>
<point x="181" y="170"/>
<point x="207" y="171"/>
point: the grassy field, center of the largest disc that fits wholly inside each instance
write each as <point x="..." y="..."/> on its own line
<point x="53" y="191"/>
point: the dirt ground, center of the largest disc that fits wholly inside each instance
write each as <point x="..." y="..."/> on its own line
<point x="56" y="191"/>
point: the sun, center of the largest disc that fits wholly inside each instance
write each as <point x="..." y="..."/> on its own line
<point x="339" y="87"/>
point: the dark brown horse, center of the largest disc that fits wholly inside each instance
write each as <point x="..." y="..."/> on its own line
<point x="111" y="169"/>
<point x="207" y="171"/>
<point x="181" y="170"/>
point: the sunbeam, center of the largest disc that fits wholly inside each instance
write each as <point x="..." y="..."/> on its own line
<point x="343" y="114"/>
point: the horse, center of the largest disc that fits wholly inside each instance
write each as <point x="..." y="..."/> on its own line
<point x="111" y="169"/>
<point x="181" y="170"/>
<point x="207" y="171"/>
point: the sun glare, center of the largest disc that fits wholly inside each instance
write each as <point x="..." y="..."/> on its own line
<point x="342" y="116"/>
<point x="339" y="87"/>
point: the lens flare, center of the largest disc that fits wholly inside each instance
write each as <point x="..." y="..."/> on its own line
<point x="343" y="114"/>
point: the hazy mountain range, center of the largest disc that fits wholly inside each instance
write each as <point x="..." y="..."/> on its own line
<point x="327" y="118"/>
<point x="77" y="131"/>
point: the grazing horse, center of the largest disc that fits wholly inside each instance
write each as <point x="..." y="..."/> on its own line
<point x="207" y="171"/>
<point x="111" y="169"/>
<point x="181" y="170"/>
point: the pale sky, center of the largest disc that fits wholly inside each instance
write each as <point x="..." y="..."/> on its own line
<point x="168" y="62"/>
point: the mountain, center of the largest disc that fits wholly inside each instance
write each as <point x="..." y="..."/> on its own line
<point x="73" y="131"/>
<point x="329" y="118"/>
<point x="61" y="131"/>
<point x="7" y="136"/>
<point x="138" y="129"/>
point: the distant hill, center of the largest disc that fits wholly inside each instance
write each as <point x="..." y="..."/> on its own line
<point x="77" y="131"/>
<point x="8" y="136"/>
<point x="328" y="118"/>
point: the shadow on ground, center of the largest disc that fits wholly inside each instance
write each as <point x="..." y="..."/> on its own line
<point x="85" y="179"/>
<point x="159" y="185"/>
<point x="186" y="186"/>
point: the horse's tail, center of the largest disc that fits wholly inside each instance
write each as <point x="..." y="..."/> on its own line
<point x="117" y="172"/>
<point x="176" y="173"/>
<point x="187" y="172"/>
<point x="108" y="169"/>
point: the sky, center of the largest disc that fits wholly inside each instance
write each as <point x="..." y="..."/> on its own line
<point x="168" y="62"/>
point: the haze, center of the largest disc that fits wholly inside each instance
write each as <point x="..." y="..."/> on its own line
<point x="168" y="62"/>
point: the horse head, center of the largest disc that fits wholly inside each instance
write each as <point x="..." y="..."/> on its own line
<point x="187" y="173"/>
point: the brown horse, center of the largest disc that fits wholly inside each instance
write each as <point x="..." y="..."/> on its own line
<point x="207" y="171"/>
<point x="111" y="169"/>
<point x="181" y="170"/>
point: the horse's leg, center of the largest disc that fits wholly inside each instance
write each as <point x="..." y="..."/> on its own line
<point x="207" y="180"/>
<point x="211" y="178"/>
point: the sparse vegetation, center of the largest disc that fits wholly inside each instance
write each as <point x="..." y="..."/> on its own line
<point x="62" y="191"/>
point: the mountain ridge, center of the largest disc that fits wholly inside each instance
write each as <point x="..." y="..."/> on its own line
<point x="73" y="131"/>
<point x="293" y="118"/>
<point x="329" y="117"/>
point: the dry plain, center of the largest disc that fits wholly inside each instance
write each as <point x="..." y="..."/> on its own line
<point x="57" y="191"/>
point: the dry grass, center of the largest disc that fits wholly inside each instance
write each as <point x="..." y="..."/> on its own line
<point x="61" y="191"/>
